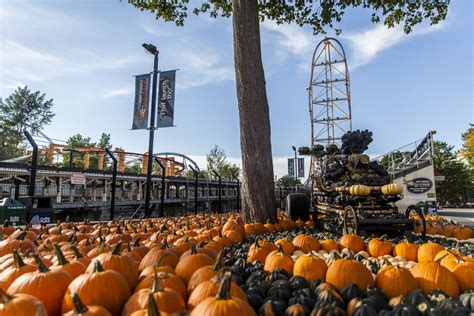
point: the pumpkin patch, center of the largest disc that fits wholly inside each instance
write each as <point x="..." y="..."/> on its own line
<point x="177" y="265"/>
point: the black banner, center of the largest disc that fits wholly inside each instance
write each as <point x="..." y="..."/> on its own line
<point x="142" y="95"/>
<point x="300" y="167"/>
<point x="291" y="167"/>
<point x="166" y="99"/>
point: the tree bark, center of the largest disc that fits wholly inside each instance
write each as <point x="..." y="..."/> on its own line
<point x="258" y="194"/>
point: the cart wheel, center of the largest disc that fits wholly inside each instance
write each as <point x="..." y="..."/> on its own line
<point x="351" y="225"/>
<point x="419" y="225"/>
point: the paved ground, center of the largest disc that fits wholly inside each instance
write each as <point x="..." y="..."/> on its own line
<point x="463" y="216"/>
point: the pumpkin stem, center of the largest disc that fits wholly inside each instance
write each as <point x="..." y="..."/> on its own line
<point x="97" y="266"/>
<point x="280" y="250"/>
<point x="193" y="249"/>
<point x="165" y="244"/>
<point x="441" y="258"/>
<point x="41" y="266"/>
<point x="77" y="253"/>
<point x="17" y="261"/>
<point x="4" y="297"/>
<point x="224" y="288"/>
<point x="152" y="309"/>
<point x="156" y="286"/>
<point x="79" y="307"/>
<point x="116" y="249"/>
<point x="158" y="263"/>
<point x="59" y="254"/>
<point x="137" y="243"/>
<point x="217" y="264"/>
<point x="21" y="236"/>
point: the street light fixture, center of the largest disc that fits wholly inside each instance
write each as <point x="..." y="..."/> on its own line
<point x="154" y="51"/>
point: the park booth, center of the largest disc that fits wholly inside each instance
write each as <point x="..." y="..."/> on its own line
<point x="13" y="211"/>
<point x="39" y="209"/>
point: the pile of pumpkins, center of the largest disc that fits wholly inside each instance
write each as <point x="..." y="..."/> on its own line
<point x="438" y="226"/>
<point x="172" y="266"/>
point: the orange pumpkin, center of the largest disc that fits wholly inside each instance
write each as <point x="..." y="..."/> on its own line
<point x="427" y="252"/>
<point x="17" y="269"/>
<point x="167" y="300"/>
<point x="353" y="242"/>
<point x="167" y="280"/>
<point x="343" y="272"/>
<point x="80" y="309"/>
<point x="430" y="275"/>
<point x="378" y="247"/>
<point x="205" y="273"/>
<point x="407" y="250"/>
<point x="210" y="288"/>
<point x="286" y="245"/>
<point x="20" y="305"/>
<point x="122" y="264"/>
<point x="329" y="244"/>
<point x="38" y="284"/>
<point x="395" y="281"/>
<point x="306" y="243"/>
<point x="310" y="267"/>
<point x="95" y="288"/>
<point x="152" y="257"/>
<point x="223" y="303"/>
<point x="74" y="268"/>
<point x="277" y="259"/>
<point x="186" y="267"/>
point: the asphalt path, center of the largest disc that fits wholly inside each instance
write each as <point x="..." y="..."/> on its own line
<point x="463" y="216"/>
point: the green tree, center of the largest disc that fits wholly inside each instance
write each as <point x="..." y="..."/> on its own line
<point x="217" y="161"/>
<point x="458" y="185"/>
<point x="467" y="150"/>
<point x="258" y="196"/>
<point x="287" y="181"/>
<point x="22" y="110"/>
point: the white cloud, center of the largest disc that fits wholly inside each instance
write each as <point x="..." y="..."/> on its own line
<point x="127" y="91"/>
<point x="363" y="46"/>
<point x="202" y="68"/>
<point x="291" y="38"/>
<point x="22" y="63"/>
<point x="366" y="45"/>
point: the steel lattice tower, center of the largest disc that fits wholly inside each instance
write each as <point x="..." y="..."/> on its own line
<point x="329" y="93"/>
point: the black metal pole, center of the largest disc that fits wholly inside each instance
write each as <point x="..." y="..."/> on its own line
<point x="163" y="181"/>
<point x="219" y="209"/>
<point x="195" y="189"/>
<point x="34" y="164"/>
<point x="114" y="183"/>
<point x="152" y="134"/>
<point x="296" y="169"/>
<point x="238" y="191"/>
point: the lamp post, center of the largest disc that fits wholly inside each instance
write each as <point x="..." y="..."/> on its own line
<point x="296" y="168"/>
<point x="154" y="51"/>
<point x="238" y="191"/>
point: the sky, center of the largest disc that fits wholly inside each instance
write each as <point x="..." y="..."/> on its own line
<point x="84" y="54"/>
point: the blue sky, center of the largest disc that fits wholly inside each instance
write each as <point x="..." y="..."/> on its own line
<point x="83" y="54"/>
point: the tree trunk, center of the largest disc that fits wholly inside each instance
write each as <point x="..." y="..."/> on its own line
<point x="258" y="194"/>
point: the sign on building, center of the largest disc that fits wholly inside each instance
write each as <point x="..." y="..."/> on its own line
<point x="78" y="178"/>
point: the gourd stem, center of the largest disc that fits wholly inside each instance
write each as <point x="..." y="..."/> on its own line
<point x="156" y="286"/>
<point x="224" y="288"/>
<point x="59" y="254"/>
<point x="41" y="266"/>
<point x="79" y="307"/>
<point x="21" y="236"/>
<point x="217" y="264"/>
<point x="17" y="261"/>
<point x="77" y="253"/>
<point x="152" y="309"/>
<point x="4" y="297"/>
<point x="116" y="249"/>
<point x="165" y="245"/>
<point x="98" y="267"/>
<point x="193" y="249"/>
<point x="137" y="243"/>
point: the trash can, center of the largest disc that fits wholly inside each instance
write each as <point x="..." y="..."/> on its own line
<point x="13" y="211"/>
